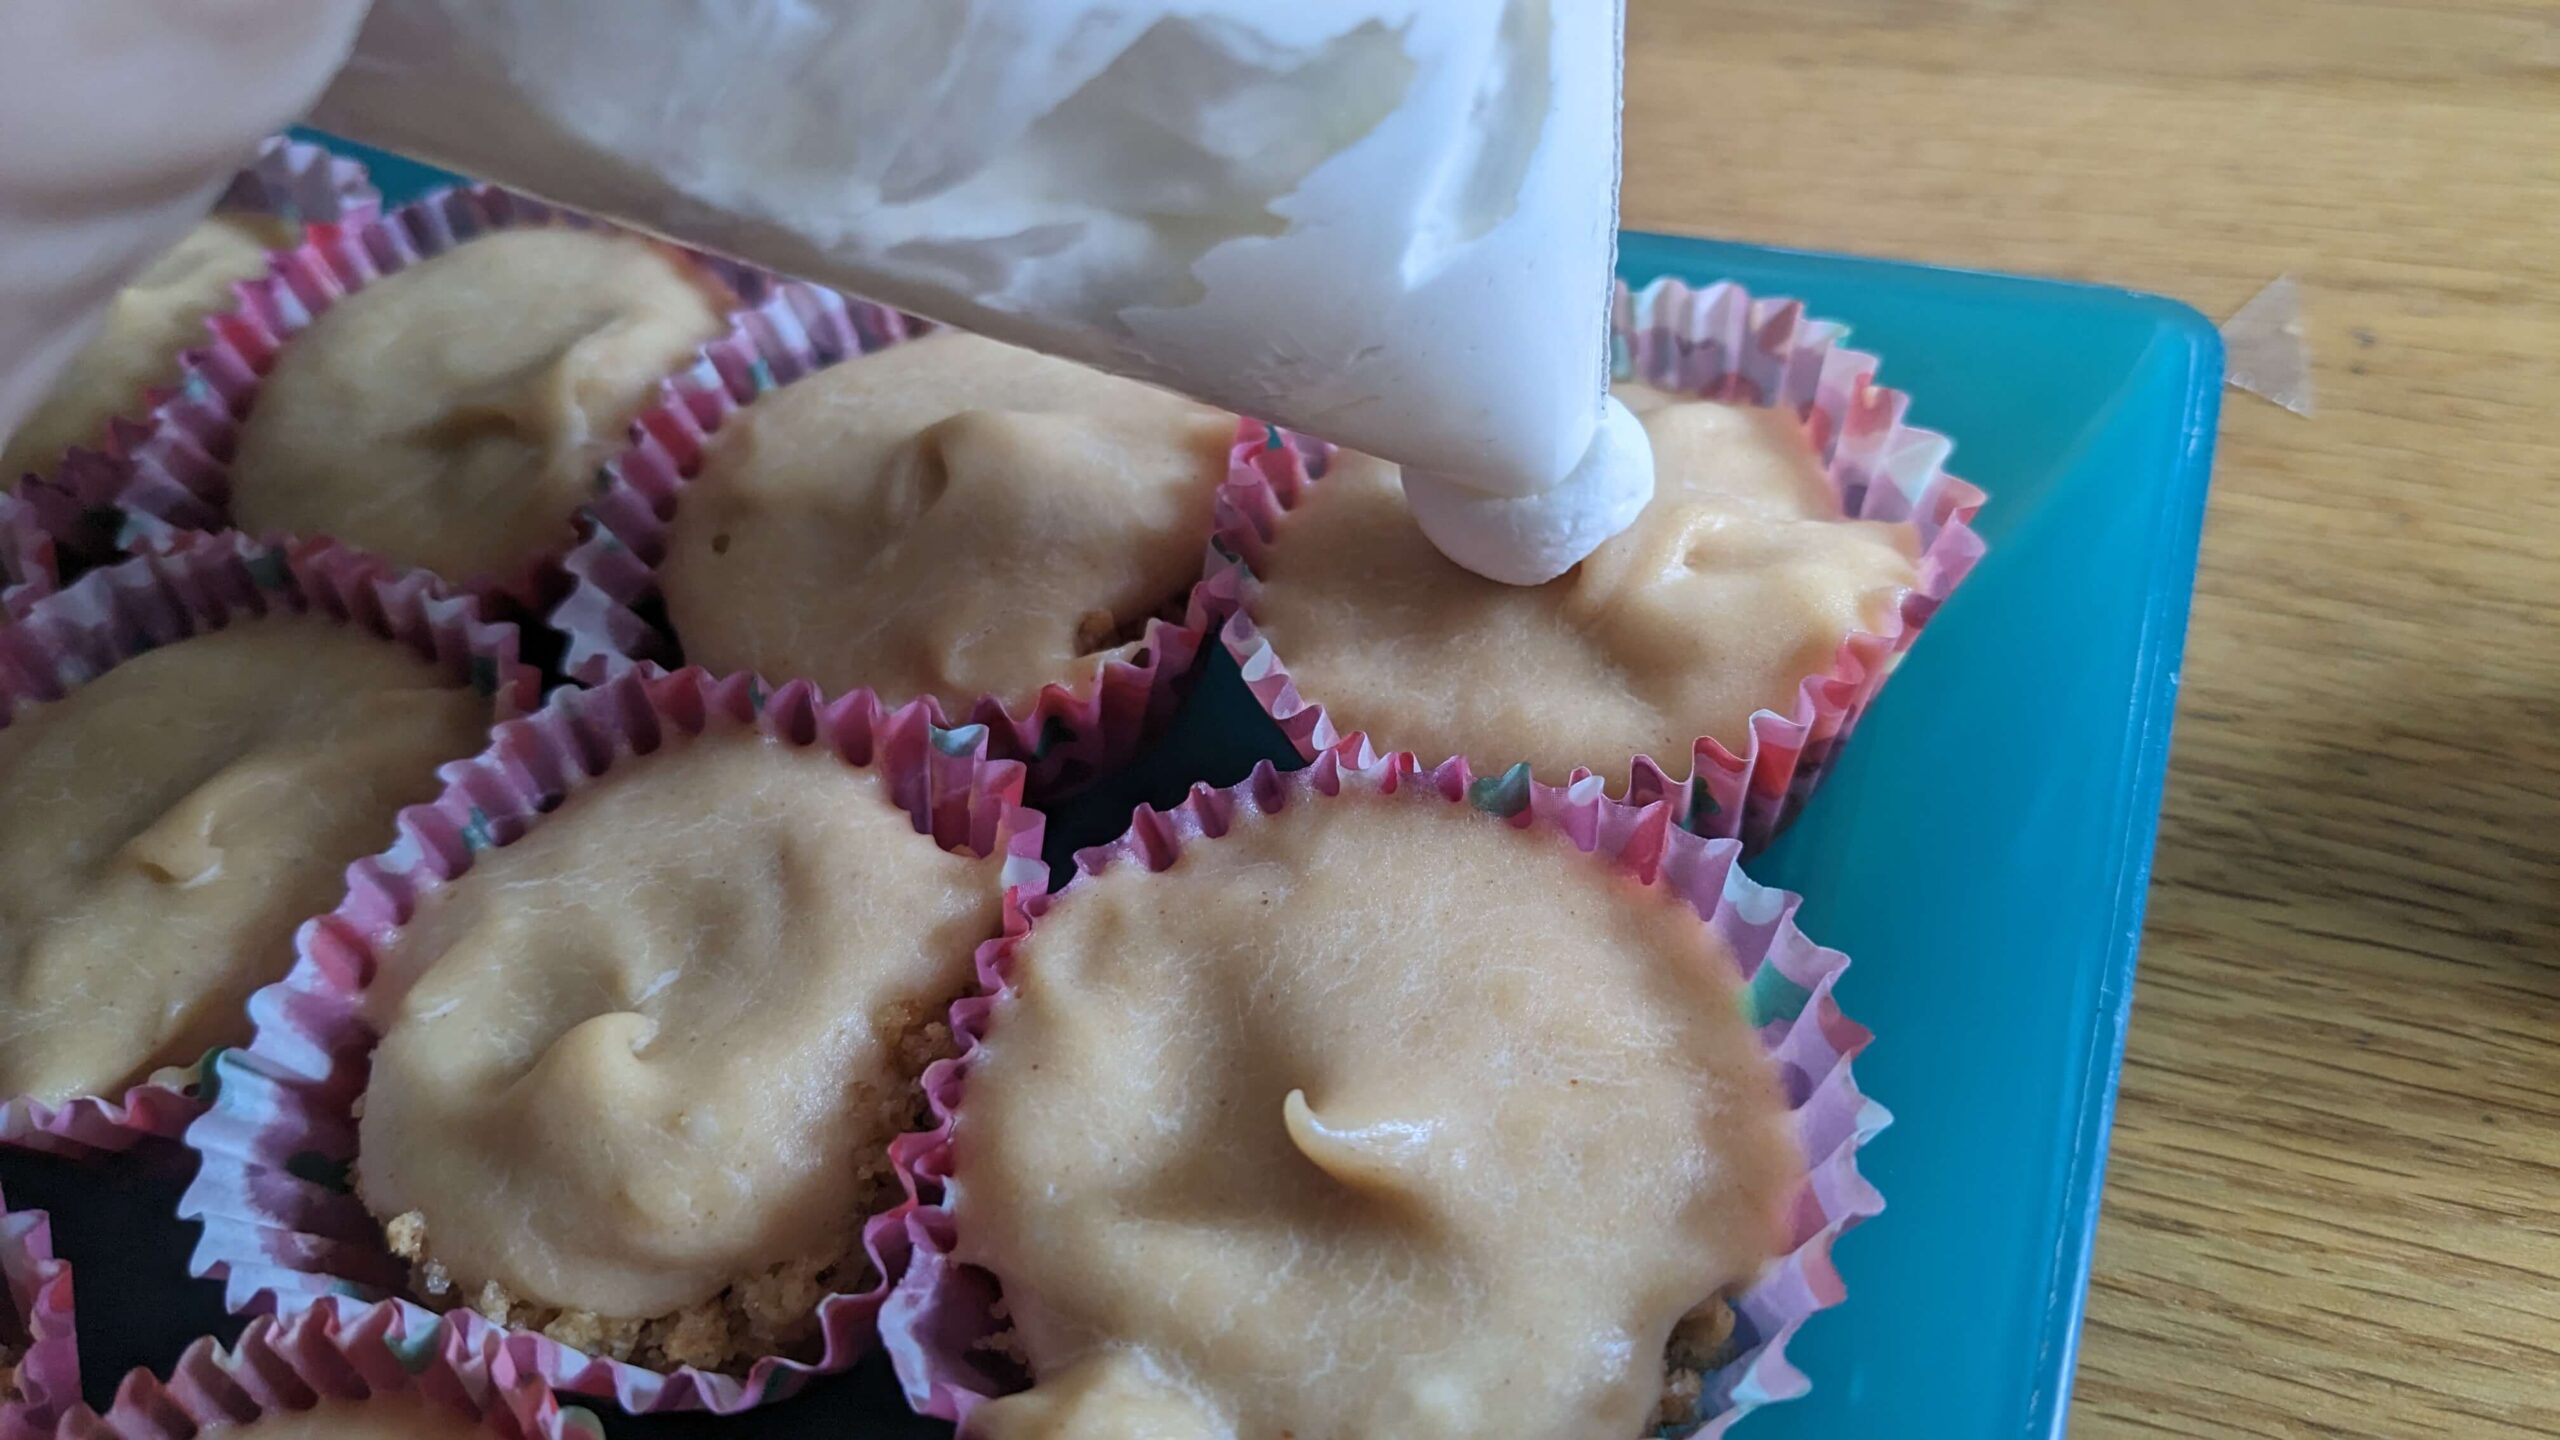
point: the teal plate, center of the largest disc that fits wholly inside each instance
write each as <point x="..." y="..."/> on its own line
<point x="1982" y="850"/>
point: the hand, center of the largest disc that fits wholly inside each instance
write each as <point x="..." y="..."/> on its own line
<point x="120" y="122"/>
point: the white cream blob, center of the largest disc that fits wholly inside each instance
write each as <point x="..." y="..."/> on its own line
<point x="1532" y="539"/>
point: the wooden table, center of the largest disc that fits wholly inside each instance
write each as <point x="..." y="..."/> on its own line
<point x="2334" y="1203"/>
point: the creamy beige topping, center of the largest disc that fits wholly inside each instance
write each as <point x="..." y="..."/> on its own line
<point x="169" y="824"/>
<point x="1738" y="582"/>
<point x="1373" y="1118"/>
<point x="950" y="516"/>
<point x="148" y="323"/>
<point x="399" y="1416"/>
<point x="654" y="1048"/>
<point x="453" y="415"/>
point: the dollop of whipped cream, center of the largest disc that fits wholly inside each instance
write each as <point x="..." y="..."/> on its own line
<point x="1389" y="223"/>
<point x="1531" y="539"/>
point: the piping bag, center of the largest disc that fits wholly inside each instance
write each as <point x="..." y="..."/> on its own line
<point x="1390" y="225"/>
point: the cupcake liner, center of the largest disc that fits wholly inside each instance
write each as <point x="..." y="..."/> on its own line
<point x="337" y="1350"/>
<point x="282" y="1227"/>
<point x="1718" y="343"/>
<point x="110" y="616"/>
<point x="1064" y="737"/>
<point x="70" y="512"/>
<point x="940" y="1309"/>
<point x="303" y="183"/>
<point x="38" y="1329"/>
<point x="178" y="474"/>
<point x="33" y="517"/>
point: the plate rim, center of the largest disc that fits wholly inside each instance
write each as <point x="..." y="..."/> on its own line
<point x="2182" y="358"/>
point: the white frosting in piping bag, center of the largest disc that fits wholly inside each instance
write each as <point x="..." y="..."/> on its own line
<point x="1388" y="223"/>
<point x="1531" y="539"/>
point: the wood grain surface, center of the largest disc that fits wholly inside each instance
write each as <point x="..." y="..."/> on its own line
<point x="2334" y="1203"/>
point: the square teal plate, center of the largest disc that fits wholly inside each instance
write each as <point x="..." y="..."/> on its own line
<point x="1982" y="850"/>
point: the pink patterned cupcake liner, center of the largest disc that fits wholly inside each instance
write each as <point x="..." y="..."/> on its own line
<point x="1064" y="734"/>
<point x="941" y="1311"/>
<point x="110" y="616"/>
<point x="177" y="476"/>
<point x="303" y="183"/>
<point x="282" y="1226"/>
<point x="1721" y="344"/>
<point x="39" y="1351"/>
<point x="34" y="515"/>
<point x="336" y="1351"/>
<point x="71" y="510"/>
